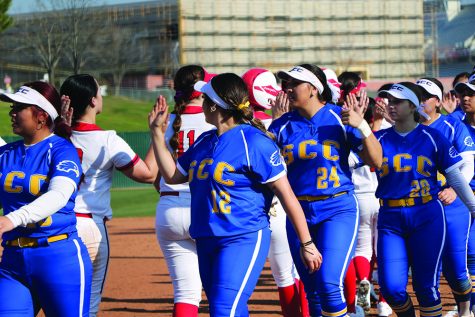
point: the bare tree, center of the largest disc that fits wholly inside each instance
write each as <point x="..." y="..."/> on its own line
<point x="44" y="35"/>
<point x="81" y="25"/>
<point x="121" y="52"/>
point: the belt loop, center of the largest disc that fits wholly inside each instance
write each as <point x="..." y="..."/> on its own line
<point x="19" y="243"/>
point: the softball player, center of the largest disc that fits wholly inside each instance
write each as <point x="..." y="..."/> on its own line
<point x="173" y="209"/>
<point x="315" y="143"/>
<point x="454" y="257"/>
<point x="232" y="172"/>
<point x="466" y="91"/>
<point x="453" y="104"/>
<point x="263" y="90"/>
<point x="44" y="263"/>
<point x="100" y="151"/>
<point x="411" y="222"/>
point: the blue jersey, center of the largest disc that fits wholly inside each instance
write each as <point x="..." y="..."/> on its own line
<point x="457" y="133"/>
<point x="471" y="130"/>
<point x="411" y="162"/>
<point x="227" y="176"/>
<point x="25" y="173"/>
<point x="458" y="114"/>
<point x="316" y="151"/>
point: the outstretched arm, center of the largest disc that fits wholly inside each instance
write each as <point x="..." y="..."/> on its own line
<point x="158" y="122"/>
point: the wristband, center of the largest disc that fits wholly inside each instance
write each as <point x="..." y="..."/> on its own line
<point x="305" y="244"/>
<point x="364" y="129"/>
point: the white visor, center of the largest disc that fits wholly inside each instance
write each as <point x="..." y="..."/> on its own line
<point x="402" y="92"/>
<point x="207" y="89"/>
<point x="460" y="87"/>
<point x="430" y="87"/>
<point x="29" y="96"/>
<point x="302" y="74"/>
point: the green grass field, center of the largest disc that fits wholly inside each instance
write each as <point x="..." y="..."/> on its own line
<point x="119" y="113"/>
<point x="134" y="202"/>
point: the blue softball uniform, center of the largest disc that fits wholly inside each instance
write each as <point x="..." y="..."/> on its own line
<point x="316" y="151"/>
<point x="411" y="222"/>
<point x="54" y="276"/>
<point x="457" y="216"/>
<point x="471" y="238"/>
<point x="229" y="204"/>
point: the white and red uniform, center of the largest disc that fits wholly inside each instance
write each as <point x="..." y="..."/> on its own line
<point x="100" y="152"/>
<point x="173" y="215"/>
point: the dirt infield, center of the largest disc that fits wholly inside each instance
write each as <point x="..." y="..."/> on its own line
<point x="138" y="283"/>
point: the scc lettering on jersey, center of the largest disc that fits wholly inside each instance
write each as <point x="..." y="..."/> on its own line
<point x="13" y="177"/>
<point x="306" y="151"/>
<point x="403" y="162"/>
<point x="221" y="199"/>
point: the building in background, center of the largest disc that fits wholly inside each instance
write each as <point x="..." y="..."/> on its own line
<point x="380" y="39"/>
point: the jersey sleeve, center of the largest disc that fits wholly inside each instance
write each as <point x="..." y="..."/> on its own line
<point x="121" y="154"/>
<point x="462" y="140"/>
<point x="448" y="157"/>
<point x="65" y="162"/>
<point x="265" y="159"/>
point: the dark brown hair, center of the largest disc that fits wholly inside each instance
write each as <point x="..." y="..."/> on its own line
<point x="185" y="79"/>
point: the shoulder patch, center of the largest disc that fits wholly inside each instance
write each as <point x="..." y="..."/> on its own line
<point x="468" y="141"/>
<point x="276" y="158"/>
<point x="68" y="166"/>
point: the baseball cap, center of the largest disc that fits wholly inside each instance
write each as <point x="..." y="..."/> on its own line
<point x="29" y="96"/>
<point x="208" y="90"/>
<point x="460" y="87"/>
<point x="302" y="74"/>
<point x="402" y="92"/>
<point x="262" y="87"/>
<point x="430" y="87"/>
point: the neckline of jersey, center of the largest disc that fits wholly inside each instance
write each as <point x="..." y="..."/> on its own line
<point x="85" y="126"/>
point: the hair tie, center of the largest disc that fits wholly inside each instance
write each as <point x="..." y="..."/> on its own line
<point x="243" y="105"/>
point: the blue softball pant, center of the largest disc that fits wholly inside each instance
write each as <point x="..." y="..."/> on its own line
<point x="411" y="237"/>
<point x="55" y="277"/>
<point x="454" y="257"/>
<point x="471" y="260"/>
<point x="230" y="268"/>
<point x="333" y="225"/>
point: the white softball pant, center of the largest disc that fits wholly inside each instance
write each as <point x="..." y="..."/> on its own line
<point x="280" y="258"/>
<point x="367" y="230"/>
<point x="93" y="233"/>
<point x="179" y="249"/>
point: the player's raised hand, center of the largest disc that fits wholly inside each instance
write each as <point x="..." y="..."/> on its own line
<point x="348" y="114"/>
<point x="449" y="102"/>
<point x="5" y="225"/>
<point x="311" y="257"/>
<point x="66" y="109"/>
<point x="280" y="105"/>
<point x="158" y="117"/>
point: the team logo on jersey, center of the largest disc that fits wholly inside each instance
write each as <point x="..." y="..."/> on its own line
<point x="453" y="152"/>
<point x="468" y="141"/>
<point x="68" y="166"/>
<point x="276" y="158"/>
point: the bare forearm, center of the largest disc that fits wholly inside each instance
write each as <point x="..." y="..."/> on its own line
<point x="292" y="207"/>
<point x="372" y="153"/>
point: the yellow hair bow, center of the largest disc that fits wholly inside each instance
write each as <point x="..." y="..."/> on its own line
<point x="244" y="105"/>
